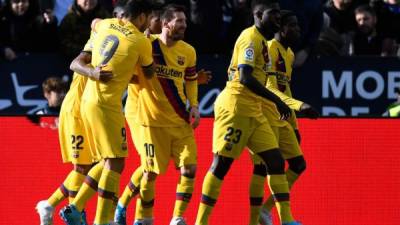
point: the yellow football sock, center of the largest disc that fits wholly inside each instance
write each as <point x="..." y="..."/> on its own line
<point x="132" y="189"/>
<point x="89" y="187"/>
<point x="291" y="178"/>
<point x="62" y="192"/>
<point x="108" y="188"/>
<point x="75" y="182"/>
<point x="256" y="197"/>
<point x="280" y="191"/>
<point x="184" y="192"/>
<point x="144" y="204"/>
<point x="210" y="192"/>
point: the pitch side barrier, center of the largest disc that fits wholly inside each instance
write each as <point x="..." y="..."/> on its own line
<point x="336" y="86"/>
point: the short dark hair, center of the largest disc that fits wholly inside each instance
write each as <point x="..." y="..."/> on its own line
<point x="256" y="3"/>
<point x="55" y="84"/>
<point x="365" y="9"/>
<point x="133" y="8"/>
<point x="169" y="10"/>
<point x="285" y="15"/>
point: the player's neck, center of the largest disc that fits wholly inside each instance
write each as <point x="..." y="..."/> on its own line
<point x="264" y="32"/>
<point x="166" y="40"/>
<point x="136" y="22"/>
<point x="281" y="40"/>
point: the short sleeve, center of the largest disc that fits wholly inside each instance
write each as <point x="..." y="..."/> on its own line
<point x="190" y="71"/>
<point x="89" y="44"/>
<point x="246" y="52"/>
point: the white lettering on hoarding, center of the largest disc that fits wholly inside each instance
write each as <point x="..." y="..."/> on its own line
<point x="344" y="84"/>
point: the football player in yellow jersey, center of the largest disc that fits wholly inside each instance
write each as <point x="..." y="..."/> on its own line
<point x="73" y="141"/>
<point x="132" y="189"/>
<point x="166" y="127"/>
<point x="120" y="45"/>
<point x="239" y="121"/>
<point x="279" y="77"/>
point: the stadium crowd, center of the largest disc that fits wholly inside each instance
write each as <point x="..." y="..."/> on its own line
<point x="329" y="27"/>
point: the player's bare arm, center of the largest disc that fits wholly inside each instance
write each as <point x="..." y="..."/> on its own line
<point x="81" y="64"/>
<point x="251" y="83"/>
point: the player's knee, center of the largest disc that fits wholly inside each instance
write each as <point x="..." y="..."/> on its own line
<point x="149" y="176"/>
<point x="115" y="164"/>
<point x="220" y="166"/>
<point x="260" y="170"/>
<point x="274" y="161"/>
<point x="82" y="169"/>
<point x="188" y="171"/>
<point x="297" y="164"/>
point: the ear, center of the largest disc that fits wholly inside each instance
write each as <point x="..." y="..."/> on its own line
<point x="46" y="94"/>
<point x="259" y="14"/>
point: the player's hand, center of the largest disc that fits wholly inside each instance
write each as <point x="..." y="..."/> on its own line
<point x="298" y="136"/>
<point x="194" y="117"/>
<point x="203" y="76"/>
<point x="48" y="16"/>
<point x="284" y="110"/>
<point x="98" y="73"/>
<point x="309" y="111"/>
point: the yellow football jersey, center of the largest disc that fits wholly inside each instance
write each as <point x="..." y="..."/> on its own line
<point x="133" y="93"/>
<point x="72" y="100"/>
<point x="163" y="99"/>
<point x="251" y="49"/>
<point x="278" y="81"/>
<point x="120" y="46"/>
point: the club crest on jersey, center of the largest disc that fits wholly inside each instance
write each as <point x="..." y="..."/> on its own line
<point x="75" y="154"/>
<point x="249" y="54"/>
<point x="124" y="146"/>
<point x="228" y="146"/>
<point x="150" y="162"/>
<point x="181" y="60"/>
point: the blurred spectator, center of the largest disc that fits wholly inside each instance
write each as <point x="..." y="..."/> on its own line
<point x="393" y="110"/>
<point x="54" y="89"/>
<point x="75" y="27"/>
<point x="205" y="27"/>
<point x="329" y="43"/>
<point x="61" y="7"/>
<point x="310" y="16"/>
<point x="24" y="29"/>
<point x="341" y="14"/>
<point x="237" y="16"/>
<point x="367" y="40"/>
<point x="388" y="14"/>
<point x="58" y="7"/>
<point x="341" y="21"/>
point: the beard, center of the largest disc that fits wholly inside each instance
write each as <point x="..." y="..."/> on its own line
<point x="177" y="34"/>
<point x="177" y="37"/>
<point x="365" y="29"/>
